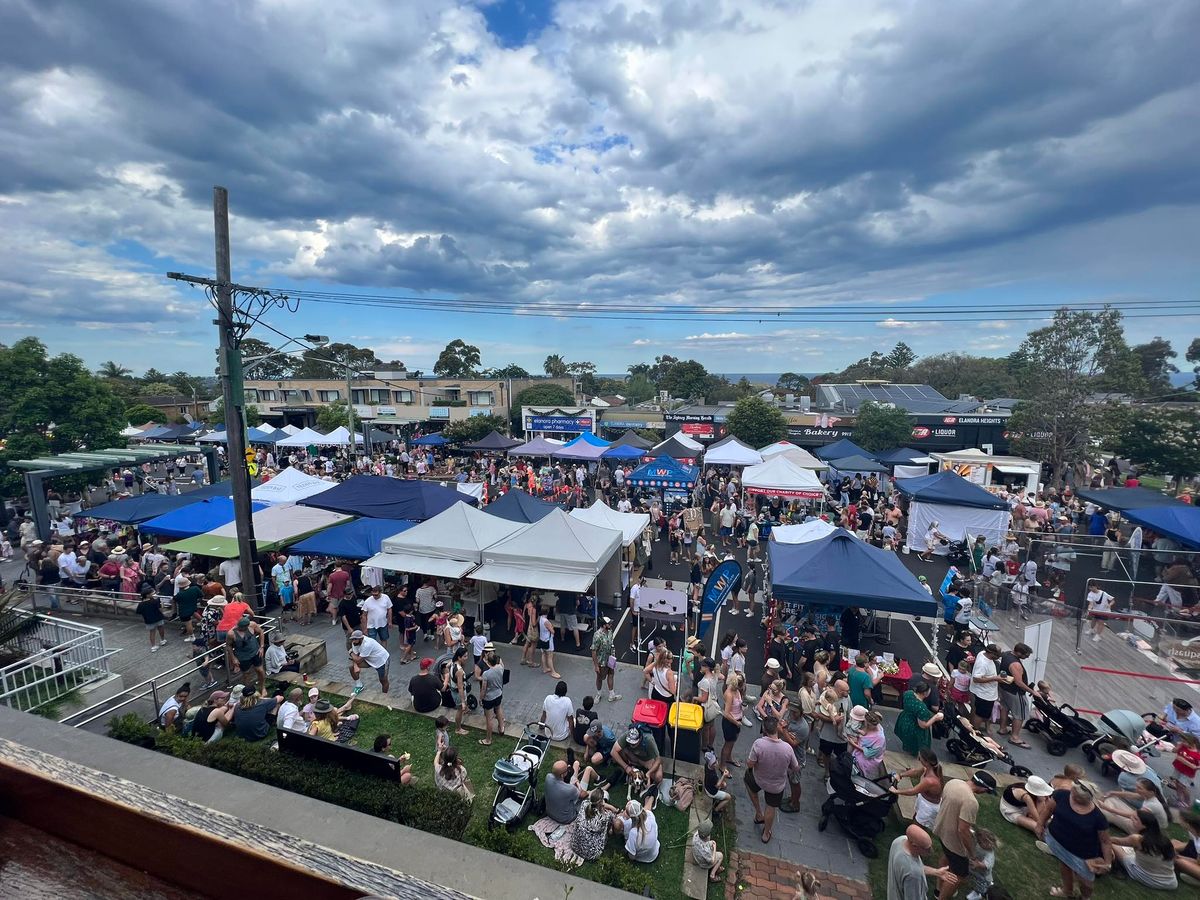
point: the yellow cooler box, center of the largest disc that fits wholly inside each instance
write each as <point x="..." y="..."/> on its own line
<point x="690" y="719"/>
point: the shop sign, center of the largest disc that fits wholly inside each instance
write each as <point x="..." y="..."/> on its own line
<point x="385" y="410"/>
<point x="624" y="423"/>
<point x="973" y="420"/>
<point x="439" y="412"/>
<point x="692" y="417"/>
<point x="559" y="423"/>
<point x="816" y="433"/>
<point x="697" y="429"/>
<point x="1185" y="654"/>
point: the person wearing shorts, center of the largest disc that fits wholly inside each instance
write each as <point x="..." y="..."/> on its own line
<point x="768" y="768"/>
<point x="365" y="651"/>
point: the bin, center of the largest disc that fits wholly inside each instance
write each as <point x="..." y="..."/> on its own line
<point x="653" y="713"/>
<point x="690" y="719"/>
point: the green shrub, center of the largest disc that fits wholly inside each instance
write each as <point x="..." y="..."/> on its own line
<point x="418" y="806"/>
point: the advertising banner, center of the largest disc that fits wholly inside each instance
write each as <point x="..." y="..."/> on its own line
<point x="559" y="423"/>
<point x="723" y="583"/>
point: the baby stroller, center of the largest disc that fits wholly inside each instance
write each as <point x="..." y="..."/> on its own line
<point x="972" y="749"/>
<point x="1062" y="726"/>
<point x="859" y="804"/>
<point x="517" y="777"/>
<point x="439" y="668"/>
<point x="958" y="552"/>
<point x="1120" y="723"/>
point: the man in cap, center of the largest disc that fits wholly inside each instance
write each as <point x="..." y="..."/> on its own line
<point x="954" y="826"/>
<point x="275" y="660"/>
<point x="425" y="688"/>
<point x="244" y="650"/>
<point x="705" y="852"/>
<point x="1178" y="718"/>
<point x="636" y="750"/>
<point x="603" y="660"/>
<point x="368" y="651"/>
<point x="907" y="873"/>
<point x="598" y="742"/>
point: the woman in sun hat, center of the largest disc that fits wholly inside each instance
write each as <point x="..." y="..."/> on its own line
<point x="1021" y="804"/>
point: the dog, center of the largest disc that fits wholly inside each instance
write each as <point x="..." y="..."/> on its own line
<point x="639" y="785"/>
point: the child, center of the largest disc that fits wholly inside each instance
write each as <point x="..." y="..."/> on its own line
<point x="1044" y="691"/>
<point x="705" y="852"/>
<point x="6" y="550"/>
<point x="441" y="734"/>
<point x="583" y="718"/>
<point x="960" y="690"/>
<point x="408" y="635"/>
<point x="440" y="618"/>
<point x="478" y="640"/>
<point x="1187" y="757"/>
<point x="986" y="845"/>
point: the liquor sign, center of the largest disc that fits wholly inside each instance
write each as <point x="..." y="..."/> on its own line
<point x="559" y="423"/>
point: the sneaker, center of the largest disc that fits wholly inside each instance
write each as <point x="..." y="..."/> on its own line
<point x="747" y="721"/>
<point x="613" y="698"/>
<point x="733" y="612"/>
<point x="358" y="689"/>
<point x="208" y="687"/>
<point x="1044" y="847"/>
<point x="1095" y="638"/>
<point x="154" y="649"/>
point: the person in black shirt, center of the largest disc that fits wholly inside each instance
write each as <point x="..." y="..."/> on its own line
<point x="831" y="643"/>
<point x="779" y="650"/>
<point x="852" y="627"/>
<point x="424" y="688"/>
<point x="960" y="649"/>
<point x="348" y="615"/>
<point x="583" y="718"/>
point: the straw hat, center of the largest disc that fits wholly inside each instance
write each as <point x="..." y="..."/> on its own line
<point x="457" y="620"/>
<point x="1038" y="786"/>
<point x="932" y="670"/>
<point x="1129" y="762"/>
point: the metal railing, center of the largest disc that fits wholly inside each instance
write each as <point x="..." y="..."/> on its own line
<point x="156" y="687"/>
<point x="83" y="601"/>
<point x="57" y="658"/>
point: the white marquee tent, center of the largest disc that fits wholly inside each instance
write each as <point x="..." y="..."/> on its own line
<point x="290" y="486"/>
<point x="731" y="452"/>
<point x="303" y="438"/>
<point x="631" y="525"/>
<point x="557" y="553"/>
<point x="340" y="437"/>
<point x="802" y="534"/>
<point x="291" y="429"/>
<point x="775" y="448"/>
<point x="447" y="546"/>
<point x="780" y="477"/>
<point x="803" y="459"/>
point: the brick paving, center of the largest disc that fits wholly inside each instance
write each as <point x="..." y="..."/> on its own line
<point x="752" y="876"/>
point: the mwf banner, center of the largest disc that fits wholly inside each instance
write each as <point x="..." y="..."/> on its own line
<point x="723" y="583"/>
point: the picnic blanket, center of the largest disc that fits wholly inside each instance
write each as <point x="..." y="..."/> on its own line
<point x="558" y="837"/>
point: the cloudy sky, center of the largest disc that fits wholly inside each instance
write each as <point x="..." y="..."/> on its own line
<point x="897" y="155"/>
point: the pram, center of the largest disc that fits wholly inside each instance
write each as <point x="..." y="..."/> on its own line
<point x="972" y="749"/>
<point x="859" y="804"/>
<point x="1062" y="726"/>
<point x="439" y="668"/>
<point x="1126" y="724"/>
<point x="517" y="777"/>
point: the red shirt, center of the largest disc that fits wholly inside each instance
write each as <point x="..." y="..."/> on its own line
<point x="234" y="610"/>
<point x="1187" y="761"/>
<point x="338" y="579"/>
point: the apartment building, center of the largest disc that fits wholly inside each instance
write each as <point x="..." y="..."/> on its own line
<point x="390" y="398"/>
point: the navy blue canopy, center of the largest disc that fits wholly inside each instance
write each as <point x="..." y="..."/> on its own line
<point x="839" y="450"/>
<point x="360" y="539"/>
<point x="841" y="570"/>
<point x="855" y="464"/>
<point x="195" y="518"/>
<point x="518" y="506"/>
<point x="380" y="497"/>
<point x="430" y="440"/>
<point x="135" y="510"/>
<point x="1179" y="521"/>
<point x="1125" y="498"/>
<point x="623" y="451"/>
<point x="901" y="456"/>
<point x="948" y="489"/>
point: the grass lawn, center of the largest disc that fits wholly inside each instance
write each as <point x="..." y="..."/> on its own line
<point x="414" y="733"/>
<point x="1022" y="869"/>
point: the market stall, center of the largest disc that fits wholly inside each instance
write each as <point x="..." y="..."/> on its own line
<point x="341" y="437"/>
<point x="305" y="437"/>
<point x="960" y="509"/>
<point x="671" y="478"/>
<point x="587" y="446"/>
<point x="360" y="539"/>
<point x="493" y="442"/>
<point x="518" y="506"/>
<point x="904" y="462"/>
<point x="632" y="439"/>
<point x="631" y="525"/>
<point x="623" y="452"/>
<point x="136" y="510"/>
<point x="856" y="465"/>
<point x="194" y="518"/>
<point x="840" y="450"/>
<point x="290" y="486"/>
<point x="803" y="459"/>
<point x="429" y="440"/>
<point x="540" y="446"/>
<point x="780" y="477"/>
<point x="1178" y="521"/>
<point x="1011" y="472"/>
<point x="731" y="452"/>
<point x="680" y="447"/>
<point x="380" y="497"/>
<point x="803" y="533"/>
<point x="274" y="527"/>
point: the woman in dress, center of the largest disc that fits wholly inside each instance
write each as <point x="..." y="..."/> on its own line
<point x="927" y="790"/>
<point x="592" y="826"/>
<point x="773" y="702"/>
<point x="868" y="746"/>
<point x="916" y="719"/>
<point x="708" y="695"/>
<point x="131" y="576"/>
<point x="531" y="629"/>
<point x="449" y="774"/>
<point x="731" y="718"/>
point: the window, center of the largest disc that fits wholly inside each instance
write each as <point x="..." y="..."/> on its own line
<point x="370" y="396"/>
<point x="307" y="396"/>
<point x="451" y="393"/>
<point x="290" y="395"/>
<point x="183" y="409"/>
<point x="403" y="396"/>
<point x="251" y="395"/>
<point x="481" y="398"/>
<point x="329" y="396"/>
<point x="267" y="395"/>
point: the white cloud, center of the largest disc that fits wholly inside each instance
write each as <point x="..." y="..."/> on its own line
<point x="642" y="342"/>
<point x="897" y="323"/>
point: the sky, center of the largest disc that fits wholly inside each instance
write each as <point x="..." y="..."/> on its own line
<point x="894" y="155"/>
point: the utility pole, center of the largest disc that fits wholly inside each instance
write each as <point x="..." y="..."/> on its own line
<point x="235" y="400"/>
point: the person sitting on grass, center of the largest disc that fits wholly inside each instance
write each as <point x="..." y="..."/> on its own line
<point x="1187" y="853"/>
<point x="598" y="743"/>
<point x="640" y="829"/>
<point x="251" y="720"/>
<point x="705" y="852"/>
<point x="213" y="719"/>
<point x="449" y="774"/>
<point x="1147" y="854"/>
<point x="592" y="826"/>
<point x="566" y="787"/>
<point x="635" y="750"/>
<point x="383" y="746"/>
<point x="329" y="724"/>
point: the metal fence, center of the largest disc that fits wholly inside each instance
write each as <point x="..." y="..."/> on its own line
<point x="57" y="657"/>
<point x="59" y="598"/>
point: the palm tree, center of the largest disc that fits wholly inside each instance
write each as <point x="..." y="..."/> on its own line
<point x="555" y="366"/>
<point x="111" y="369"/>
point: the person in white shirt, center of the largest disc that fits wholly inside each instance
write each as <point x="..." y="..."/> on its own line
<point x="1099" y="604"/>
<point x="985" y="687"/>
<point x="640" y="829"/>
<point x="365" y="651"/>
<point x="624" y="505"/>
<point x="231" y="572"/>
<point x="426" y="605"/>
<point x="377" y="615"/>
<point x="1168" y="595"/>
<point x="558" y="712"/>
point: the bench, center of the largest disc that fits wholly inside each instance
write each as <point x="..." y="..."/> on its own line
<point x="364" y="762"/>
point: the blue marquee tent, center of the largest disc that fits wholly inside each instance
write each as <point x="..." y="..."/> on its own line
<point x="136" y="510"/>
<point x="430" y="440"/>
<point x="664" y="472"/>
<point x="195" y="518"/>
<point x="839" y="450"/>
<point x="587" y="446"/>
<point x="518" y="506"/>
<point x="380" y="497"/>
<point x="949" y="489"/>
<point x="623" y="451"/>
<point x="359" y="539"/>
<point x="841" y="570"/>
<point x="901" y="456"/>
<point x="855" y="464"/>
<point x="1126" y="498"/>
<point x="1179" y="521"/>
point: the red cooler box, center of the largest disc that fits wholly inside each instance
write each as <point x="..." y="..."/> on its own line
<point x="653" y="714"/>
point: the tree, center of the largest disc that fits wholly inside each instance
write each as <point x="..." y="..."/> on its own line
<point x="1160" y="441"/>
<point x="325" y="362"/>
<point x="458" y="360"/>
<point x="952" y="374"/>
<point x="254" y="366"/>
<point x="1058" y="368"/>
<point x="684" y="379"/>
<point x="183" y="382"/>
<point x="901" y="357"/>
<point x="638" y="389"/>
<point x="139" y="414"/>
<point x="879" y="427"/>
<point x="586" y="373"/>
<point x="153" y="376"/>
<point x="157" y="388"/>
<point x="539" y="395"/>
<point x="110" y="369"/>
<point x="1193" y="356"/>
<point x="51" y="405"/>
<point x="756" y="422"/>
<point x="793" y="383"/>
<point x="1154" y="359"/>
<point x="332" y="415"/>
<point x="250" y="414"/>
<point x="472" y="428"/>
<point x="512" y="370"/>
<point x="555" y="366"/>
